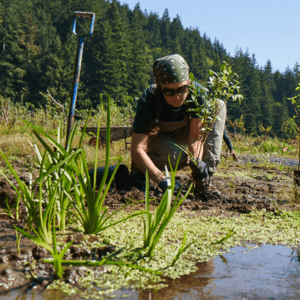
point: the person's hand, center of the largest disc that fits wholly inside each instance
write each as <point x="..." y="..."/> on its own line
<point x="163" y="185"/>
<point x="200" y="171"/>
<point x="200" y="176"/>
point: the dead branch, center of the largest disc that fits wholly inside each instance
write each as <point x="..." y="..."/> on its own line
<point x="56" y="102"/>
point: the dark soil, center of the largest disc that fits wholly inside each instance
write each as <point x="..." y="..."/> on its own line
<point x="231" y="191"/>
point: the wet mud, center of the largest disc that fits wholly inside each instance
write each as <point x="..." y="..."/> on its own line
<point x="264" y="187"/>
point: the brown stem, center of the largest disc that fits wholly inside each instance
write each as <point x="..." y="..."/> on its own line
<point x="5" y="115"/>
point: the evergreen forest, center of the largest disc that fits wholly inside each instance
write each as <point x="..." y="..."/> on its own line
<point x="38" y="50"/>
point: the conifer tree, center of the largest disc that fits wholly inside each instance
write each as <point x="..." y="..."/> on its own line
<point x="176" y="35"/>
<point x="281" y="115"/>
<point x="165" y="31"/>
<point x="209" y="50"/>
<point x="194" y="53"/>
<point x="20" y="51"/>
<point x="219" y="55"/>
<point x="37" y="52"/>
<point x="154" y="34"/>
<point x="267" y="100"/>
<point x="289" y="86"/>
<point x="253" y="94"/>
<point x="138" y="65"/>
<point x="114" y="54"/>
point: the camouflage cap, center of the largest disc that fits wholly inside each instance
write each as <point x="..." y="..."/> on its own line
<point x="170" y="69"/>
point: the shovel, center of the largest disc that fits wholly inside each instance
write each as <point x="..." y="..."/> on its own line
<point x="77" y="66"/>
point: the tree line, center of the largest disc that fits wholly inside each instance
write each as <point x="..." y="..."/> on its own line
<point x="38" y="49"/>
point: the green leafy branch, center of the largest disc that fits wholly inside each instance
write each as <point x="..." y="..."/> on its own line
<point x="296" y="104"/>
<point x="223" y="85"/>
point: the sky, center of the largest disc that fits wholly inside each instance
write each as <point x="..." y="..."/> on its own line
<point x="269" y="29"/>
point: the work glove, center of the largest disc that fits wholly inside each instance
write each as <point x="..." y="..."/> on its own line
<point x="200" y="171"/>
<point x="200" y="176"/>
<point x="164" y="185"/>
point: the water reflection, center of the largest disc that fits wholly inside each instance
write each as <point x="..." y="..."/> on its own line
<point x="270" y="272"/>
<point x="267" y="272"/>
<point x="186" y="287"/>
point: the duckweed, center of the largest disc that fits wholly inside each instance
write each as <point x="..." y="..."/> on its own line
<point x="258" y="227"/>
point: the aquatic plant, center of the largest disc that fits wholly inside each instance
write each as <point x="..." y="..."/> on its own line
<point x="182" y="248"/>
<point x="155" y="224"/>
<point x="52" y="156"/>
<point x="94" y="218"/>
<point x="39" y="219"/>
<point x="57" y="257"/>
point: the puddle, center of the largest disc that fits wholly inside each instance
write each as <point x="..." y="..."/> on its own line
<point x="265" y="273"/>
<point x="275" y="160"/>
<point x="269" y="272"/>
<point x="284" y="161"/>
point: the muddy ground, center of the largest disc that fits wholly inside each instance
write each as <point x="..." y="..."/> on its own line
<point x="238" y="187"/>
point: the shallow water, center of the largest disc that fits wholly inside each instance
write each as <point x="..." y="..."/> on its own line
<point x="284" y="161"/>
<point x="273" y="159"/>
<point x="269" y="272"/>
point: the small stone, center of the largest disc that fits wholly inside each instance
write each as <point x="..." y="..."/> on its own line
<point x="5" y="258"/>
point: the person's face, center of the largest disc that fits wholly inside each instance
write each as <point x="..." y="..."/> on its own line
<point x="175" y="93"/>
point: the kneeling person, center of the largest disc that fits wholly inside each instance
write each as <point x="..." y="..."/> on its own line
<point x="162" y="121"/>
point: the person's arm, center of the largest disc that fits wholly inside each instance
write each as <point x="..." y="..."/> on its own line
<point x="140" y="157"/>
<point x="227" y="140"/>
<point x="195" y="146"/>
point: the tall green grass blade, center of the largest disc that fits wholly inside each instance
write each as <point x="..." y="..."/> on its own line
<point x="57" y="257"/>
<point x="182" y="249"/>
<point x="147" y="218"/>
<point x="119" y="221"/>
<point x="84" y="128"/>
<point x="107" y="153"/>
<point x="35" y="239"/>
<point x="229" y="235"/>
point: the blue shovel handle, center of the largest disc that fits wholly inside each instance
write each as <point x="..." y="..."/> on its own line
<point x="84" y="15"/>
<point x="77" y="67"/>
